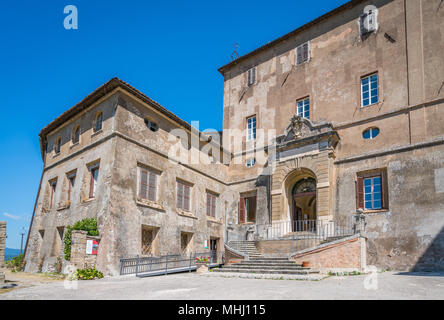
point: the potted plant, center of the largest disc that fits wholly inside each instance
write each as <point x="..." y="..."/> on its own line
<point x="202" y="264"/>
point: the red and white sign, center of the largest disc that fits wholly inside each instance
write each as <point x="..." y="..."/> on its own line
<point x="92" y="246"/>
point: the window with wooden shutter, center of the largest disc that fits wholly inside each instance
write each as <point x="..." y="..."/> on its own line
<point x="52" y="185"/>
<point x="183" y="196"/>
<point x="371" y="190"/>
<point x="147" y="184"/>
<point x="94" y="175"/>
<point x="211" y="205"/>
<point x="303" y="53"/>
<point x="251" y="76"/>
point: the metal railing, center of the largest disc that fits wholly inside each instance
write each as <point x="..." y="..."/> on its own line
<point x="167" y="263"/>
<point x="307" y="233"/>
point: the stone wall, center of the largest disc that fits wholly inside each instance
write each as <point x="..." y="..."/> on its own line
<point x="2" y="243"/>
<point x="343" y="254"/>
<point x="79" y="258"/>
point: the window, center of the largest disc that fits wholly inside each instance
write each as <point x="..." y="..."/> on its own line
<point x="186" y="242"/>
<point x="372" y="190"/>
<point x="147" y="184"/>
<point x="151" y="125"/>
<point x="303" y="53"/>
<point x="370" y="133"/>
<point x="304" y="108"/>
<point x="369" y="90"/>
<point x="211" y="205"/>
<point x="368" y="21"/>
<point x="94" y="175"/>
<point x="149" y="241"/>
<point x="251" y="162"/>
<point x="372" y="193"/>
<point x="251" y="128"/>
<point x="183" y="196"/>
<point x="247" y="209"/>
<point x="52" y="190"/>
<point x="75" y="135"/>
<point x="71" y="181"/>
<point x="98" y="121"/>
<point x="58" y="145"/>
<point x="251" y="76"/>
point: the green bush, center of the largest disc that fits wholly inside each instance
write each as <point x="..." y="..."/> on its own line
<point x="16" y="264"/>
<point x="89" y="274"/>
<point x="89" y="225"/>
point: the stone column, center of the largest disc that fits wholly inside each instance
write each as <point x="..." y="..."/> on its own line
<point x="78" y="248"/>
<point x="2" y="243"/>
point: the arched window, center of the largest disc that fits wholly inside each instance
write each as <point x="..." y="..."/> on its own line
<point x="370" y="133"/>
<point x="76" y="135"/>
<point x="58" y="145"/>
<point x="98" y="121"/>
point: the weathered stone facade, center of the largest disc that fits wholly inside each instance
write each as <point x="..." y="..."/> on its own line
<point x="324" y="147"/>
<point x="2" y="243"/>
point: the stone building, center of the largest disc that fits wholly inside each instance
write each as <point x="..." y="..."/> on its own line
<point x="340" y="118"/>
<point x="2" y="243"/>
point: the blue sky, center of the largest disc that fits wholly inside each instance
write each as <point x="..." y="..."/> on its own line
<point x="169" y="50"/>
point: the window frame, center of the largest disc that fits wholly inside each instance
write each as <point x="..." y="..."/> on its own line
<point x="371" y="130"/>
<point x="98" y="115"/>
<point x="250" y="164"/>
<point x="251" y="133"/>
<point x="52" y="192"/>
<point x="370" y="89"/>
<point x="307" y="59"/>
<point x="93" y="180"/>
<point x="251" y="73"/>
<point x="182" y="188"/>
<point x="305" y="107"/>
<point x="361" y="191"/>
<point x="58" y="145"/>
<point x="75" y="138"/>
<point x="152" y="183"/>
<point x="211" y="204"/>
<point x="71" y="182"/>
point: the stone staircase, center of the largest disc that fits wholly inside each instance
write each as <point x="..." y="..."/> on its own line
<point x="257" y="264"/>
<point x="246" y="247"/>
<point x="267" y="266"/>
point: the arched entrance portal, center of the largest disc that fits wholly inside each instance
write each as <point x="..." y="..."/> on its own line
<point x="304" y="205"/>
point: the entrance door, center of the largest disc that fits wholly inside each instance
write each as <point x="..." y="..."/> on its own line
<point x="304" y="205"/>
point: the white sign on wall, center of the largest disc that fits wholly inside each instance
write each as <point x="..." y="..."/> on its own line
<point x="89" y="246"/>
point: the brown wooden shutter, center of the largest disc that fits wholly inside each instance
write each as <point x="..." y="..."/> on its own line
<point x="143" y="183"/>
<point x="383" y="201"/>
<point x="305" y="52"/>
<point x="360" y="193"/>
<point x="152" y="184"/>
<point x="179" y="195"/>
<point x="242" y="210"/>
<point x="186" y="202"/>
<point x="254" y="207"/>
<point x="208" y="204"/>
<point x="213" y="207"/>
<point x="299" y="55"/>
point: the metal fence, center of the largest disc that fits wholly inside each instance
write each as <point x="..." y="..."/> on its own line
<point x="168" y="263"/>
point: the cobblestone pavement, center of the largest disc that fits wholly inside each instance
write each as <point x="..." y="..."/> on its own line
<point x="190" y="286"/>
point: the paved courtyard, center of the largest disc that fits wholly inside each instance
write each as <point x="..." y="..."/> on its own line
<point x="190" y="286"/>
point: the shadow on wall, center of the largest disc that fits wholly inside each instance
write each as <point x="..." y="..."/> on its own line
<point x="432" y="261"/>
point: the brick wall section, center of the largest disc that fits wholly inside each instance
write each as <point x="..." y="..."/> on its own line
<point x="2" y="243"/>
<point x="347" y="254"/>
<point x="232" y="257"/>
<point x="79" y="258"/>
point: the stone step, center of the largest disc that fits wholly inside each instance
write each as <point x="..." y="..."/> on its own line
<point x="251" y="263"/>
<point x="261" y="267"/>
<point x="265" y="271"/>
